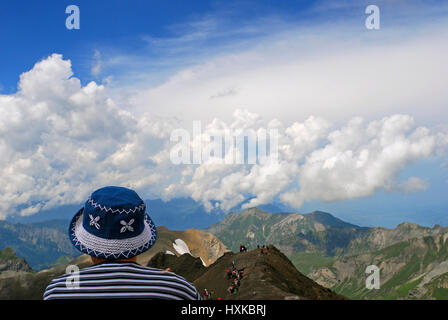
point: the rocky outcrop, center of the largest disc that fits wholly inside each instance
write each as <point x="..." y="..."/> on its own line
<point x="201" y="244"/>
<point x="10" y="262"/>
<point x="186" y="265"/>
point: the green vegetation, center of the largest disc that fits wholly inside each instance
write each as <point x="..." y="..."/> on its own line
<point x="7" y="253"/>
<point x="394" y="250"/>
<point x="407" y="263"/>
<point x="306" y="262"/>
<point x="407" y="272"/>
<point x="350" y="288"/>
<point x="403" y="291"/>
<point x="440" y="293"/>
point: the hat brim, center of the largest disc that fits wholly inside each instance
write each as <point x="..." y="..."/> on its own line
<point x="111" y="248"/>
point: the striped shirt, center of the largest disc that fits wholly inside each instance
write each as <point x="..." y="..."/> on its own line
<point x="123" y="280"/>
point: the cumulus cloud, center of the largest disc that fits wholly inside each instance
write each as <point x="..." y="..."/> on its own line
<point x="316" y="163"/>
<point x="361" y="158"/>
<point x="60" y="140"/>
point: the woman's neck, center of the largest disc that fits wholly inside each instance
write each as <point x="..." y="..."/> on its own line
<point x="96" y="260"/>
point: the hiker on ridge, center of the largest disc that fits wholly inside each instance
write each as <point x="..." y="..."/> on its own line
<point x="206" y="294"/>
<point x="113" y="228"/>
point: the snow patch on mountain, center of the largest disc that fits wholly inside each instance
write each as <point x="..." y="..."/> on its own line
<point x="181" y="247"/>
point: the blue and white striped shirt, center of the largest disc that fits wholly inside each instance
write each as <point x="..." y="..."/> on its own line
<point x="123" y="280"/>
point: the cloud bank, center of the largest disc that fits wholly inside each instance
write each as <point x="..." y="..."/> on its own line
<point x="60" y="140"/>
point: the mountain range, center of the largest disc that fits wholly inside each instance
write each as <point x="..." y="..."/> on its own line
<point x="42" y="244"/>
<point x="198" y="256"/>
<point x="412" y="259"/>
<point x="332" y="252"/>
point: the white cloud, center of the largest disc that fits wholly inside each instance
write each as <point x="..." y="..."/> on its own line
<point x="361" y="158"/>
<point x="354" y="161"/>
<point x="333" y="73"/>
<point x="97" y="64"/>
<point x="60" y="140"/>
<point x="412" y="185"/>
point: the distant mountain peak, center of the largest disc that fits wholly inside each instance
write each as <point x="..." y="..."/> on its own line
<point x="256" y="211"/>
<point x="408" y="225"/>
<point x="329" y="220"/>
<point x="10" y="262"/>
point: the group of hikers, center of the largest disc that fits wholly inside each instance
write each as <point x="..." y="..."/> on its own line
<point x="235" y="275"/>
<point x="263" y="249"/>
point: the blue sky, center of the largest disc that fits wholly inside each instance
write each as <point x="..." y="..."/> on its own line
<point x="97" y="105"/>
<point x="33" y="29"/>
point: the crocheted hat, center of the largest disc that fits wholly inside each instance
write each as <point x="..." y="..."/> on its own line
<point x="113" y="224"/>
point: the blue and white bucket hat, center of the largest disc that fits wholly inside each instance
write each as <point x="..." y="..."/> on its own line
<point x="113" y="224"/>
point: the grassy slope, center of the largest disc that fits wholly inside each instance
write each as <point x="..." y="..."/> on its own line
<point x="306" y="262"/>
